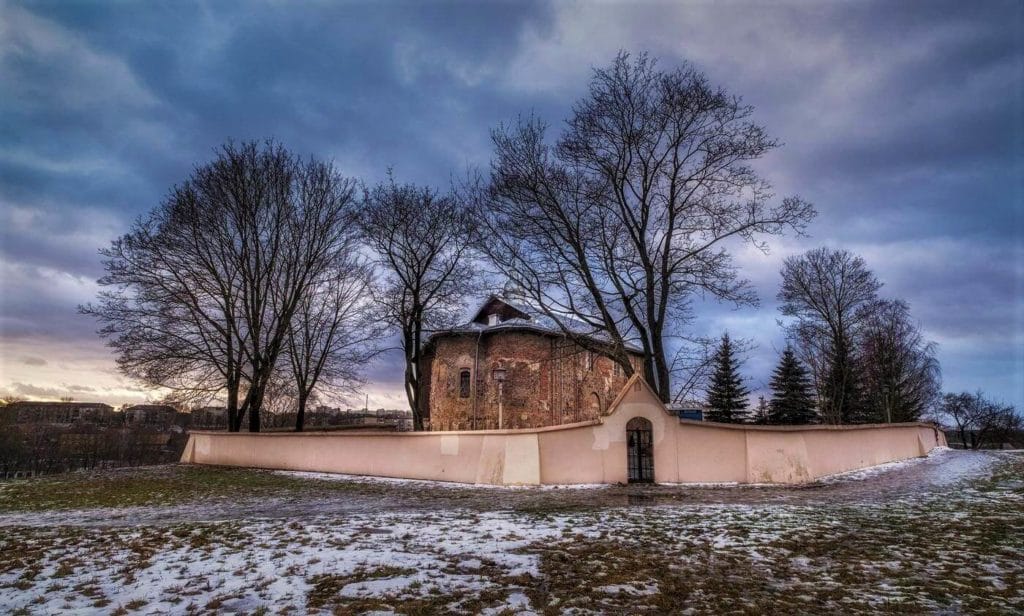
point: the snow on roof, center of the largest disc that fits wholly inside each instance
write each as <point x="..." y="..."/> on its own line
<point x="518" y="314"/>
<point x="688" y="405"/>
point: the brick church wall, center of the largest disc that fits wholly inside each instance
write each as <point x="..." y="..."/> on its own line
<point x="549" y="381"/>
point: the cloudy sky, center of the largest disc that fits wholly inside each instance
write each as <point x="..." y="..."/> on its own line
<point x="902" y="122"/>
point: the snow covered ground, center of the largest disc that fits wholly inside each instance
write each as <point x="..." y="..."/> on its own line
<point x="945" y="533"/>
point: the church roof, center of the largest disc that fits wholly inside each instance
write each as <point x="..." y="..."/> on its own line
<point x="504" y="313"/>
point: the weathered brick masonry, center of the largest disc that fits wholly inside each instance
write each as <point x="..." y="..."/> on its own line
<point x="549" y="380"/>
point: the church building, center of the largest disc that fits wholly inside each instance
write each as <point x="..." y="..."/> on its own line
<point x="511" y="366"/>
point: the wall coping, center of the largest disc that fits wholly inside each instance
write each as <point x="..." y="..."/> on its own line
<point x="614" y="406"/>
<point x="806" y="427"/>
<point x="579" y="424"/>
<point x="348" y="433"/>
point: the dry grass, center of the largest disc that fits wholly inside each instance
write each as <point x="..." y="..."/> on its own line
<point x="958" y="550"/>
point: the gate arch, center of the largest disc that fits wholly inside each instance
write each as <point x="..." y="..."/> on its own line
<point x="640" y="450"/>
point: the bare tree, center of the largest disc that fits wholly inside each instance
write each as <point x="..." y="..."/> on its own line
<point x="616" y="227"/>
<point x="170" y="301"/>
<point x="421" y="241"/>
<point x="335" y="332"/>
<point x="280" y="399"/>
<point x="900" y="371"/>
<point x="978" y="420"/>
<point x="829" y="292"/>
<point x="201" y="293"/>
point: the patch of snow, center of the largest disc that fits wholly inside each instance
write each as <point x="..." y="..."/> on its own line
<point x="459" y="553"/>
<point x="319" y="476"/>
<point x="517" y="602"/>
<point x="869" y="471"/>
<point x="638" y="589"/>
<point x="706" y="484"/>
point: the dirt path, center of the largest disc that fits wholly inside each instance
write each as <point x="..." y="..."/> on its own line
<point x="339" y="495"/>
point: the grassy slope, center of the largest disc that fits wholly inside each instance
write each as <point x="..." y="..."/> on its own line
<point x="959" y="550"/>
<point x="155" y="486"/>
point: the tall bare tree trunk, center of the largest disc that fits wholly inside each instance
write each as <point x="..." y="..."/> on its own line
<point x="300" y="414"/>
<point x="422" y="242"/>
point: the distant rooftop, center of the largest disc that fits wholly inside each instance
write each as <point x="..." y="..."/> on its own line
<point x="45" y="404"/>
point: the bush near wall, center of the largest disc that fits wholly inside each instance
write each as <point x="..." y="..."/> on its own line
<point x="42" y="449"/>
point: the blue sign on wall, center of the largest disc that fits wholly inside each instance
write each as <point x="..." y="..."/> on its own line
<point x="694" y="414"/>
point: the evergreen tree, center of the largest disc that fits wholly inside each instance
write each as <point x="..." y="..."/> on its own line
<point x="727" y="397"/>
<point x="792" y="400"/>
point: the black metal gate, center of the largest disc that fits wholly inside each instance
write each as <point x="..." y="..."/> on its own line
<point x="640" y="450"/>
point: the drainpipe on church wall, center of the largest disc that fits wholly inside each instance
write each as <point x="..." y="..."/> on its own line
<point x="476" y="377"/>
<point x="499" y="375"/>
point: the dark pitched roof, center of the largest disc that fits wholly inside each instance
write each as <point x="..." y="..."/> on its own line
<point x="505" y="308"/>
<point x="516" y="314"/>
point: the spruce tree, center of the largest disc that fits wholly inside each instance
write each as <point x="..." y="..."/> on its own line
<point x="727" y="397"/>
<point x="792" y="401"/>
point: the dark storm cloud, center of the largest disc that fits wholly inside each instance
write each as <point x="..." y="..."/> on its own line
<point x="370" y="81"/>
<point x="917" y="123"/>
<point x="902" y="122"/>
<point x="113" y="105"/>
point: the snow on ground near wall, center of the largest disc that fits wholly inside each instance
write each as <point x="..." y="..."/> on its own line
<point x="430" y="482"/>
<point x="485" y="563"/>
<point x="856" y="474"/>
<point x="926" y="549"/>
<point x="872" y="471"/>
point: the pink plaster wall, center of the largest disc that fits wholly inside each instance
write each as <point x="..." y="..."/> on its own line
<point x="588" y="452"/>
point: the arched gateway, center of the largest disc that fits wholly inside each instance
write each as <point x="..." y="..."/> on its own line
<point x="640" y="450"/>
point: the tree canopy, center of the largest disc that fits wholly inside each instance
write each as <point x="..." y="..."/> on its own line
<point x="199" y="296"/>
<point x="625" y="218"/>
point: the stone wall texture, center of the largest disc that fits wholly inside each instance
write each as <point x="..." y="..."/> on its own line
<point x="549" y="381"/>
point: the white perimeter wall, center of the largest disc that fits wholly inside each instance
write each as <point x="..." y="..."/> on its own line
<point x="591" y="452"/>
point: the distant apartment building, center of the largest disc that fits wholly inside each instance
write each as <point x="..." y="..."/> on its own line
<point x="381" y="419"/>
<point x="62" y="413"/>
<point x="154" y="415"/>
<point x="318" y="418"/>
